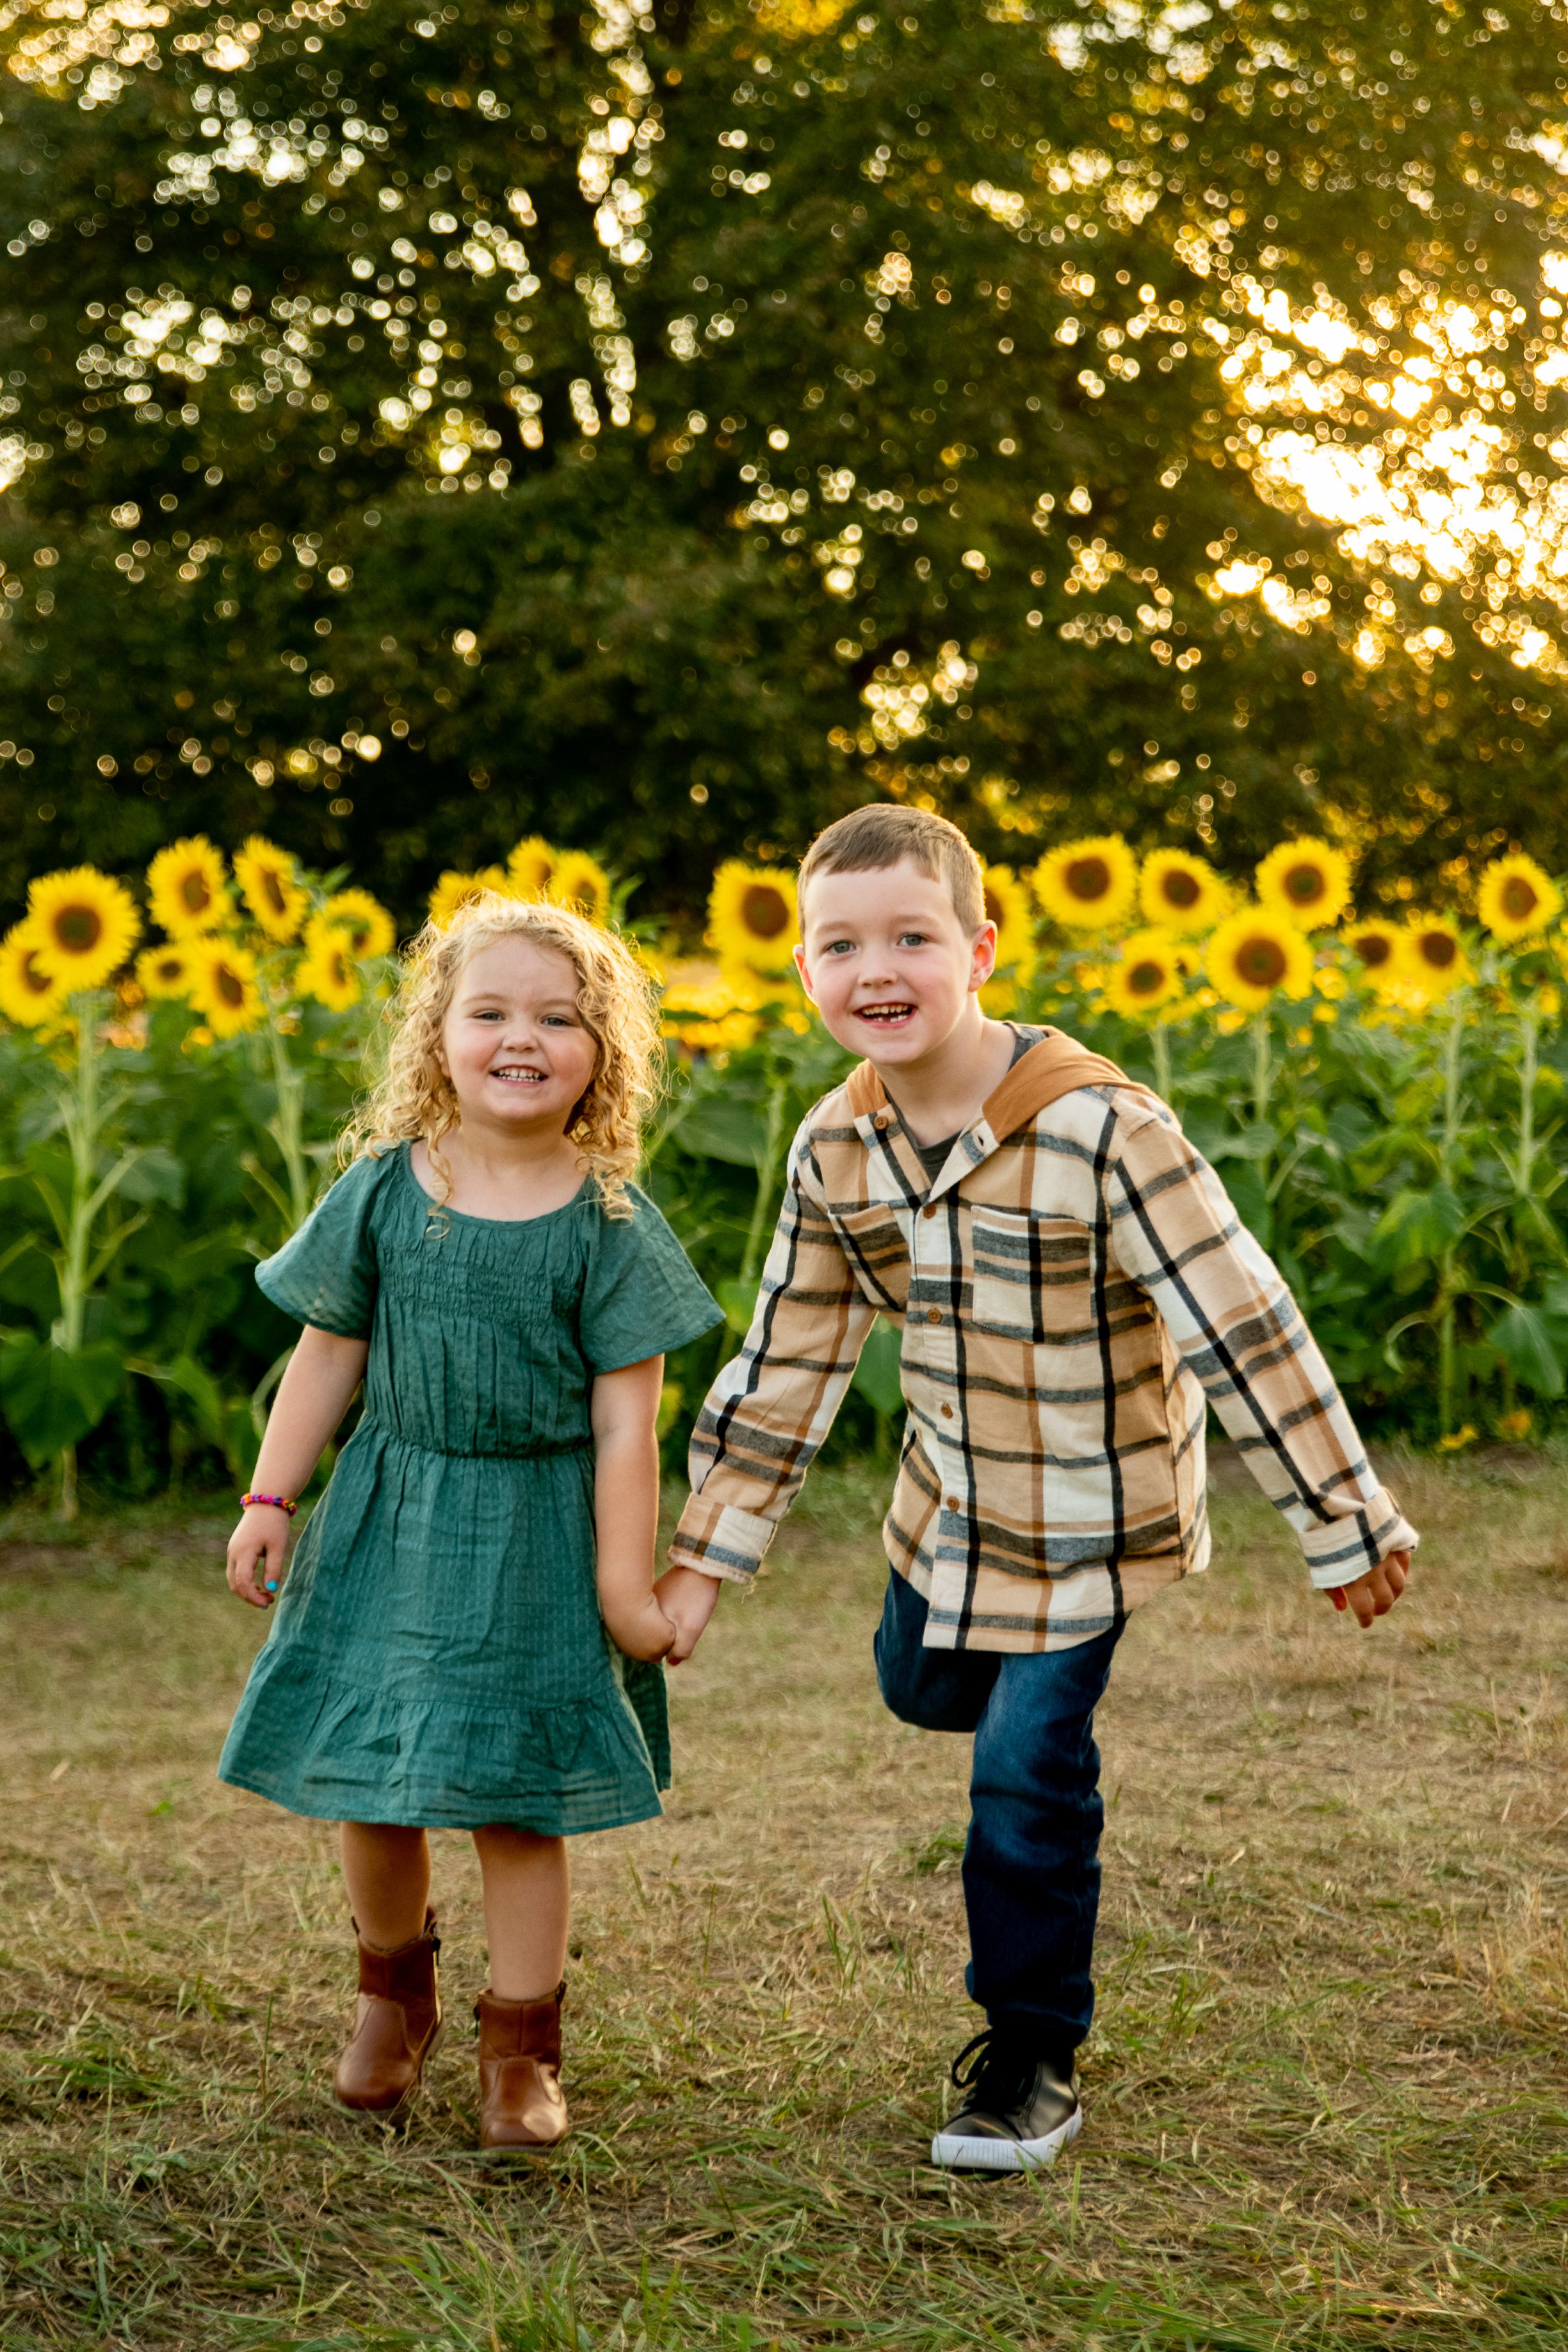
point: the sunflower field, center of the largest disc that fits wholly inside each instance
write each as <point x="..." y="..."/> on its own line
<point x="1382" y="1097"/>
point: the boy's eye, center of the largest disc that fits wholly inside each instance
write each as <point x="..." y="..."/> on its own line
<point x="840" y="947"/>
<point x="912" y="939"/>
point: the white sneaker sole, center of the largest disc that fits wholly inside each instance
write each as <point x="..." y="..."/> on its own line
<point x="954" y="2153"/>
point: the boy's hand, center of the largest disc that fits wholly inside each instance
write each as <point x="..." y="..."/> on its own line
<point x="1374" y="1594"/>
<point x="257" y="1551"/>
<point x="688" y="1599"/>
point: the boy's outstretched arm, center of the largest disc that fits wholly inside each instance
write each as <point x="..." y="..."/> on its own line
<point x="1175" y="1231"/>
<point x="772" y="1405"/>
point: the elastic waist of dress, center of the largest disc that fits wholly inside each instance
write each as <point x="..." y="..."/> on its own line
<point x="464" y="1453"/>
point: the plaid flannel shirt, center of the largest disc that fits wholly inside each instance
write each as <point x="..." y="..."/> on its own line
<point x="1072" y="1290"/>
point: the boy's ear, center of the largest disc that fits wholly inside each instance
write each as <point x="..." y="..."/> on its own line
<point x="983" y="955"/>
<point x="799" y="956"/>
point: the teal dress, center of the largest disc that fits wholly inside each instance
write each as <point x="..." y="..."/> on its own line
<point x="437" y="1656"/>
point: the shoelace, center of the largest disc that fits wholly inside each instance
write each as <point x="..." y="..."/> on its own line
<point x="1001" y="2076"/>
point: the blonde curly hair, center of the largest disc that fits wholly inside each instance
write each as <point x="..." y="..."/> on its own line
<point x="413" y="1100"/>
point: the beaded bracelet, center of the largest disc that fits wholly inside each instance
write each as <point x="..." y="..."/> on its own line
<point x="282" y="1502"/>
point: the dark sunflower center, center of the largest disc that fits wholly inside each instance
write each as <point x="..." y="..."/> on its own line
<point x="229" y="986"/>
<point x="1179" y="888"/>
<point x="764" y="912"/>
<point x="194" y="893"/>
<point x="1438" y="950"/>
<point x="1305" y="885"/>
<point x="1374" y="950"/>
<point x="78" y="929"/>
<point x="1519" y="898"/>
<point x="1147" y="977"/>
<point x="1261" y="962"/>
<point x="31" y="978"/>
<point x="1088" y="878"/>
<point x="171" y="968"/>
<point x="272" y="891"/>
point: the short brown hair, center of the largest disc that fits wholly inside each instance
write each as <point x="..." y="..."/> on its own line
<point x="884" y="835"/>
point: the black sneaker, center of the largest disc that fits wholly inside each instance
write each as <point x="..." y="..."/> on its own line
<point x="1019" y="2112"/>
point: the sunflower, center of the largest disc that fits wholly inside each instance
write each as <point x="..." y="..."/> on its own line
<point x="327" y="971"/>
<point x="751" y="916"/>
<point x="87" y="925"/>
<point x="530" y="865"/>
<point x="1380" y="947"/>
<point x="1147" y="974"/>
<point x="1306" y="881"/>
<point x="188" y="888"/>
<point x="455" y="890"/>
<point x="1007" y="906"/>
<point x="273" y="890"/>
<point x="1434" y="954"/>
<point x="1088" y="885"/>
<point x="579" y="881"/>
<point x="1517" y="897"/>
<point x="27" y="994"/>
<point x="222" y="985"/>
<point x="1257" y="955"/>
<point x="363" y="922"/>
<point x="167" y="971"/>
<point x="1179" y="892"/>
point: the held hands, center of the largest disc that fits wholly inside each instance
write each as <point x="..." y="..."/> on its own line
<point x="639" y="1627"/>
<point x="688" y="1599"/>
<point x="257" y="1549"/>
<point x="1373" y="1594"/>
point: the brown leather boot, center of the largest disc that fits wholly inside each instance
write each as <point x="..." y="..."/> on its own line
<point x="520" y="2101"/>
<point x="396" y="2026"/>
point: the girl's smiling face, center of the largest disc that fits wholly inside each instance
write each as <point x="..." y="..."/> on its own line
<point x="513" y="1044"/>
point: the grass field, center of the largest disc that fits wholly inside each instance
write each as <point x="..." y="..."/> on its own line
<point x="1327" y="2091"/>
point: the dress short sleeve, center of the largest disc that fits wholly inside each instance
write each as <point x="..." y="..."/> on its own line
<point x="326" y="1274"/>
<point x="641" y="1297"/>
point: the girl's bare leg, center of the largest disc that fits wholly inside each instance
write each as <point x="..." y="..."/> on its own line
<point x="386" y="1869"/>
<point x="527" y="1901"/>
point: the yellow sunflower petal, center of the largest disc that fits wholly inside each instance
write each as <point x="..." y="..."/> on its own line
<point x="29" y="996"/>
<point x="531" y="864"/>
<point x="187" y="887"/>
<point x="367" y="925"/>
<point x="1179" y="892"/>
<point x="223" y="987"/>
<point x="1147" y="974"/>
<point x="1306" y="881"/>
<point x="1007" y="906"/>
<point x="270" y="885"/>
<point x="751" y="916"/>
<point x="1517" y="897"/>
<point x="580" y="881"/>
<point x="1255" y="956"/>
<point x="86" y="923"/>
<point x="454" y="891"/>
<point x="1088" y="885"/>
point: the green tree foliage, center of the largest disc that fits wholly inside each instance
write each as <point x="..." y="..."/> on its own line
<point x="667" y="430"/>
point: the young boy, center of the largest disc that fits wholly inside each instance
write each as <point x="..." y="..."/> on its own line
<point x="1075" y="1288"/>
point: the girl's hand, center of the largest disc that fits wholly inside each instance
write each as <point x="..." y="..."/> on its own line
<point x="257" y="1548"/>
<point x="639" y="1628"/>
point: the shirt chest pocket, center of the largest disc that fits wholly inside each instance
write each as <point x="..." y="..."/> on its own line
<point x="1030" y="1276"/>
<point x="878" y="1251"/>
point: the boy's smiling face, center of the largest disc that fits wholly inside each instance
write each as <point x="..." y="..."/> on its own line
<point x="887" y="963"/>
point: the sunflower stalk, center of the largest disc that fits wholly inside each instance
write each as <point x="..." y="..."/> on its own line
<point x="767" y="1174"/>
<point x="1262" y="1066"/>
<point x="286" y="1125"/>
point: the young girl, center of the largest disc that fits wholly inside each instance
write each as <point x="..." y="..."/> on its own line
<point x="470" y="1635"/>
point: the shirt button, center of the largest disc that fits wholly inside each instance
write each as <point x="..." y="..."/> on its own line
<point x="880" y="1121"/>
<point x="934" y="1314"/>
<point x="929" y="1213"/>
<point x="952" y="1502"/>
<point x="946" y="1412"/>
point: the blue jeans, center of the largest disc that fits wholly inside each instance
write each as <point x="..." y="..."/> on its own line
<point x="1032" y="1863"/>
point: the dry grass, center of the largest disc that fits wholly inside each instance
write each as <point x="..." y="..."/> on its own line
<point x="1326" y="2089"/>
